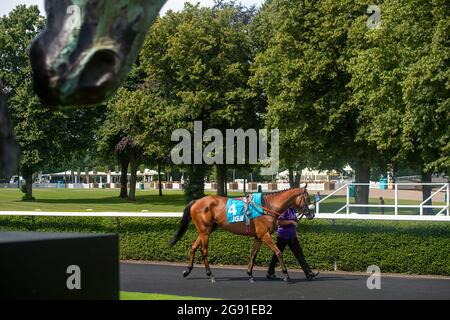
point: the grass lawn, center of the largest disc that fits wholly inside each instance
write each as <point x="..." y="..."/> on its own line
<point x="95" y="199"/>
<point x="156" y="296"/>
<point x="98" y="200"/>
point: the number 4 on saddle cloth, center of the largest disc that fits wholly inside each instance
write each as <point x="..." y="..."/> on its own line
<point x="244" y="209"/>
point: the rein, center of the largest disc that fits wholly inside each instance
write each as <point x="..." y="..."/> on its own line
<point x="269" y="212"/>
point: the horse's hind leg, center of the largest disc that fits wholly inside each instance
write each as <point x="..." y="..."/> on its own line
<point x="192" y="251"/>
<point x="204" y="238"/>
<point x="255" y="250"/>
<point x="267" y="239"/>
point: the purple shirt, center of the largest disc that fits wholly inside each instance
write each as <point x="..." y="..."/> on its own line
<point x="289" y="231"/>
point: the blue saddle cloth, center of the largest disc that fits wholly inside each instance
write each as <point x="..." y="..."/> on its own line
<point x="236" y="209"/>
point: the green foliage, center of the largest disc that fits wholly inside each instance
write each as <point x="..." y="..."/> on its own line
<point x="17" y="30"/>
<point x="194" y="187"/>
<point x="198" y="61"/>
<point x="300" y="65"/>
<point x="401" y="247"/>
<point x="400" y="81"/>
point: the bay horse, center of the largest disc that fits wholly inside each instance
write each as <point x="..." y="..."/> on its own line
<point x="211" y="210"/>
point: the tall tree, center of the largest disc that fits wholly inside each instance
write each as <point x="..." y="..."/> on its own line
<point x="301" y="68"/>
<point x="199" y="60"/>
<point x="137" y="130"/>
<point x="400" y="82"/>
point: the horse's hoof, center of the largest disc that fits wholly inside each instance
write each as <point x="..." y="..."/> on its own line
<point x="286" y="278"/>
<point x="186" y="273"/>
<point x="213" y="280"/>
<point x="252" y="280"/>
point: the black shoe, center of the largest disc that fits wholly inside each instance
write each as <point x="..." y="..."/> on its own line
<point x="271" y="276"/>
<point x="312" y="275"/>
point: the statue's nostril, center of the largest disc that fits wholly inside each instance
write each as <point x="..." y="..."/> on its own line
<point x="100" y="69"/>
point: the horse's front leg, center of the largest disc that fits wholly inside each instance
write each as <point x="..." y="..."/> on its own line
<point x="267" y="239"/>
<point x="255" y="250"/>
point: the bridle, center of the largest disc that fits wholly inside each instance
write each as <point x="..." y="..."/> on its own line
<point x="305" y="207"/>
<point x="274" y="214"/>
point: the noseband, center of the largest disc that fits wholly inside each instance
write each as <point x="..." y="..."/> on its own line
<point x="304" y="209"/>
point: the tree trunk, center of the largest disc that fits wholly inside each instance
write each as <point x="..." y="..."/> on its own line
<point x="291" y="177"/>
<point x="297" y="178"/>
<point x="79" y="174"/>
<point x="194" y="187"/>
<point x="221" y="177"/>
<point x="159" y="181"/>
<point x="426" y="191"/>
<point x="124" y="162"/>
<point x="28" y="188"/>
<point x="134" y="165"/>
<point x="362" y="175"/>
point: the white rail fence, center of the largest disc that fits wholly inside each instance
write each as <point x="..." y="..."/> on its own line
<point x="330" y="216"/>
<point x="442" y="215"/>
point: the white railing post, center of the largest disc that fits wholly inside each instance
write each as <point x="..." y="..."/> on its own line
<point x="328" y="196"/>
<point x="396" y="198"/>
<point x="448" y="199"/>
<point x="348" y="200"/>
<point x="442" y="215"/>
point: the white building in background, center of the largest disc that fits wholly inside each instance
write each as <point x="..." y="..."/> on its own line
<point x="110" y="177"/>
<point x="318" y="180"/>
<point x="316" y="175"/>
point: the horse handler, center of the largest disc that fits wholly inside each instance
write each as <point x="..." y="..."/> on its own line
<point x="287" y="236"/>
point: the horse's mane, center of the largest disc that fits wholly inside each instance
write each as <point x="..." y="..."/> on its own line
<point x="280" y="191"/>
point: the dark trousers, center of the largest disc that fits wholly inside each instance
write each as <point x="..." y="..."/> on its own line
<point x="296" y="249"/>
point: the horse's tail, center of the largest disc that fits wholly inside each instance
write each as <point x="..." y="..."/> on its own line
<point x="184" y="223"/>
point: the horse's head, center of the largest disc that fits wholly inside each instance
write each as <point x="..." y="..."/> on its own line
<point x="88" y="48"/>
<point x="303" y="203"/>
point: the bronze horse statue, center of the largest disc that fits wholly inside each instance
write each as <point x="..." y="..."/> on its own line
<point x="84" y="54"/>
<point x="210" y="211"/>
<point x="88" y="48"/>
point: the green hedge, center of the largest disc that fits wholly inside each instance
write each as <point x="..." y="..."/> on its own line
<point x="400" y="247"/>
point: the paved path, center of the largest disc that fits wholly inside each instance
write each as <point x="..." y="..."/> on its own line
<point x="233" y="284"/>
